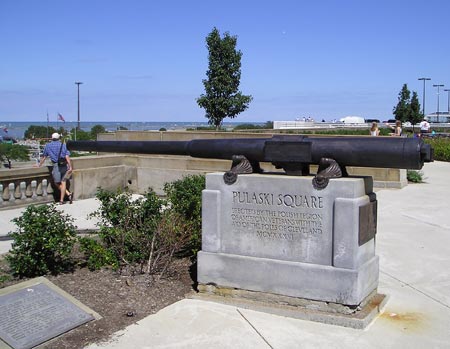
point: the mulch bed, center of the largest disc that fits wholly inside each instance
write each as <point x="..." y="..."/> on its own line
<point x="120" y="300"/>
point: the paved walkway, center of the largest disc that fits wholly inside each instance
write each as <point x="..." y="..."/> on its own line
<point x="413" y="243"/>
<point x="79" y="210"/>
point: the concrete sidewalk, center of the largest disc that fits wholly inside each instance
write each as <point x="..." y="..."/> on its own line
<point x="78" y="210"/>
<point x="413" y="243"/>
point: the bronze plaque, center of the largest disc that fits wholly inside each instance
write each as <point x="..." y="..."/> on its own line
<point x="367" y="222"/>
<point x="33" y="315"/>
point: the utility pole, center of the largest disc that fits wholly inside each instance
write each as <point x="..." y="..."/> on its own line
<point x="448" y="101"/>
<point x="78" y="83"/>
<point x="438" y="86"/>
<point x="423" y="99"/>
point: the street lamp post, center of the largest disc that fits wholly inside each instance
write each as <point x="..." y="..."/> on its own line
<point x="448" y="100"/>
<point x="78" y="83"/>
<point x="423" y="99"/>
<point x="438" y="86"/>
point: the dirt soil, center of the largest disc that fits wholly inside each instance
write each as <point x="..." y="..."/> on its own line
<point x="120" y="300"/>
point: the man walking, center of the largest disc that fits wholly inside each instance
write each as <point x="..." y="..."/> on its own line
<point x="62" y="166"/>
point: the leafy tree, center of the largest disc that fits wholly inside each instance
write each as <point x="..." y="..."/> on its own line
<point x="81" y="135"/>
<point x="96" y="130"/>
<point x="402" y="109"/>
<point x="415" y="115"/>
<point x="222" y="97"/>
<point x="34" y="131"/>
<point x="9" y="152"/>
<point x="408" y="108"/>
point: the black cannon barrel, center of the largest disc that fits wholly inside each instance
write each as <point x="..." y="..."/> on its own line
<point x="135" y="147"/>
<point x="384" y="152"/>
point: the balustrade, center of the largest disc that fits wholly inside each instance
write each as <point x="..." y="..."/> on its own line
<point x="25" y="186"/>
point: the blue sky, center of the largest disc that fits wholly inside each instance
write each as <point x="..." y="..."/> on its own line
<point x="145" y="60"/>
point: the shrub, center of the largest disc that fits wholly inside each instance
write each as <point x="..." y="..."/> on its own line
<point x="267" y="126"/>
<point x="171" y="236"/>
<point x="148" y="232"/>
<point x="42" y="243"/>
<point x="97" y="255"/>
<point x="414" y="176"/>
<point x="127" y="227"/>
<point x="441" y="148"/>
<point x="185" y="197"/>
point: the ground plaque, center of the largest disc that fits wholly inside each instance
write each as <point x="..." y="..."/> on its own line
<point x="36" y="313"/>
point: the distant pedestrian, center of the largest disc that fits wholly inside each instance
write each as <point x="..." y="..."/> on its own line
<point x="424" y="127"/>
<point x="62" y="165"/>
<point x="398" y="132"/>
<point x="374" y="130"/>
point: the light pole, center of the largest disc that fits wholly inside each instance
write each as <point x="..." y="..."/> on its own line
<point x="448" y="100"/>
<point x="438" y="86"/>
<point x="423" y="99"/>
<point x="78" y="83"/>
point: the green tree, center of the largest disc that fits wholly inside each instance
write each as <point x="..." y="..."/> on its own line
<point x="9" y="152"/>
<point x="415" y="115"/>
<point x="81" y="135"/>
<point x="96" y="130"/>
<point x="222" y="97"/>
<point x="402" y="109"/>
<point x="34" y="131"/>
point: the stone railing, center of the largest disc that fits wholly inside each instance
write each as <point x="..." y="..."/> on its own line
<point x="23" y="186"/>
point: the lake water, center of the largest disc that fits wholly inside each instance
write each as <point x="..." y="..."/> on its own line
<point x="17" y="129"/>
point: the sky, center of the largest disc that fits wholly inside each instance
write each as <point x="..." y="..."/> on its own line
<point x="143" y="60"/>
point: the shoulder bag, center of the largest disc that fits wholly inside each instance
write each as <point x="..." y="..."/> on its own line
<point x="61" y="161"/>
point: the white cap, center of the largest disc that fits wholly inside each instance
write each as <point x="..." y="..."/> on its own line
<point x="55" y="135"/>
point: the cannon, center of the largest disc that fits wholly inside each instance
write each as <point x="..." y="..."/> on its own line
<point x="294" y="154"/>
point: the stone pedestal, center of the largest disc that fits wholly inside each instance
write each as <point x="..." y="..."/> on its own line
<point x="279" y="235"/>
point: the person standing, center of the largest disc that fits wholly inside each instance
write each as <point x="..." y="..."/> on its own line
<point x="62" y="165"/>
<point x="424" y="127"/>
<point x="374" y="130"/>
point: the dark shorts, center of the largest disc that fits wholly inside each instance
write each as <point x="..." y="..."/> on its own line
<point x="58" y="173"/>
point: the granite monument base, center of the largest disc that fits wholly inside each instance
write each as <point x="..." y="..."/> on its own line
<point x="277" y="234"/>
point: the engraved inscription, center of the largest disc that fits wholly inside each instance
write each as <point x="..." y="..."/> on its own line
<point x="33" y="315"/>
<point x="283" y="217"/>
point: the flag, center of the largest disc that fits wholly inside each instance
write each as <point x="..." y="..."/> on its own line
<point x="60" y="117"/>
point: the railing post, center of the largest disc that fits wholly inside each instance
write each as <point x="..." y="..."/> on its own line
<point x="22" y="188"/>
<point x="33" y="189"/>
<point x="11" y="192"/>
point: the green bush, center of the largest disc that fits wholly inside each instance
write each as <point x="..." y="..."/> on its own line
<point x="414" y="176"/>
<point x="147" y="232"/>
<point x="127" y="227"/>
<point x="441" y="148"/>
<point x="268" y="125"/>
<point x="97" y="255"/>
<point x="42" y="242"/>
<point x="185" y="197"/>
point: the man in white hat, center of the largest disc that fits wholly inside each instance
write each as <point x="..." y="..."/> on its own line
<point x="62" y="166"/>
